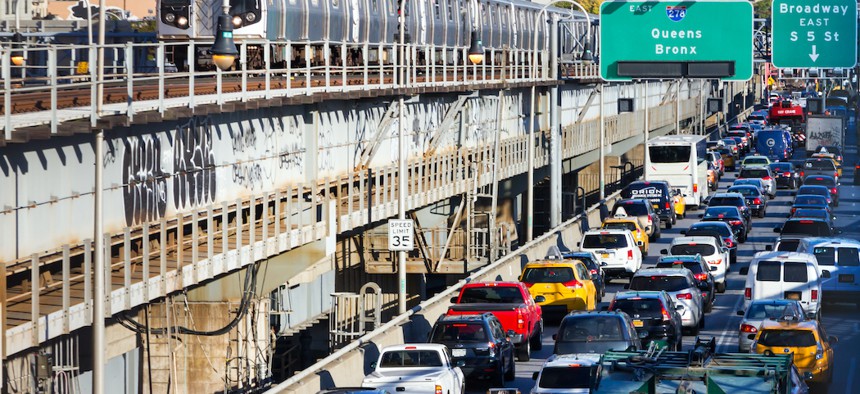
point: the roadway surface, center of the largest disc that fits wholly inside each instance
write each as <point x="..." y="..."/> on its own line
<point x="842" y="321"/>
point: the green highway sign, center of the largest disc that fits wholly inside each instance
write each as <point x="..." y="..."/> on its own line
<point x="814" y="33"/>
<point x="644" y="32"/>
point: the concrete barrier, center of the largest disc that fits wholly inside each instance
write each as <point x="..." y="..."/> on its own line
<point x="349" y="365"/>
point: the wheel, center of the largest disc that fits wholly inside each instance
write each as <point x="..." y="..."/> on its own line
<point x="701" y="322"/>
<point x="695" y="330"/>
<point x="511" y="373"/>
<point x="709" y="306"/>
<point x="668" y="224"/>
<point x="733" y="256"/>
<point x="536" y="339"/>
<point x="761" y="213"/>
<point x="721" y="287"/>
<point x="499" y="378"/>
<point x="524" y="352"/>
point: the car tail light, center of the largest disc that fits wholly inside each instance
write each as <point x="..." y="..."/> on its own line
<point x="793" y="210"/>
<point x="667" y="205"/>
<point x="814" y="295"/>
<point x="748" y="293"/>
<point x="801" y="174"/>
<point x="749" y="328"/>
<point x="716" y="262"/>
<point x="695" y="188"/>
<point x="520" y="322"/>
<point x="594" y="272"/>
<point x="756" y="200"/>
<point x="573" y="285"/>
<point x="833" y="190"/>
<point x="665" y="313"/>
<point x="702" y="276"/>
<point x="438" y="389"/>
<point x="786" y="174"/>
<point x="685" y="296"/>
<point x="767" y="178"/>
<point x="491" y="345"/>
<point x="729" y="242"/>
<point x="735" y="222"/>
<point x="835" y="174"/>
<point x="630" y="254"/>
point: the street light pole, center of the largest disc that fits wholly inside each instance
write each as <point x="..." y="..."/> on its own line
<point x="99" y="267"/>
<point x="100" y="67"/>
<point x="401" y="163"/>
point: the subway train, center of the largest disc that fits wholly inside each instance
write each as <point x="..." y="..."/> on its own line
<point x="297" y="29"/>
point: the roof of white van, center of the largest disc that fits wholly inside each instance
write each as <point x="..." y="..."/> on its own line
<point x="694" y="239"/>
<point x="784" y="256"/>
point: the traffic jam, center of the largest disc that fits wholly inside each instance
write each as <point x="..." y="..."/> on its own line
<point x="730" y="250"/>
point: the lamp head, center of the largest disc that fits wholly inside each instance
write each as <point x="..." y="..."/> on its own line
<point x="17" y="56"/>
<point x="587" y="57"/>
<point x="476" y="49"/>
<point x="224" y="49"/>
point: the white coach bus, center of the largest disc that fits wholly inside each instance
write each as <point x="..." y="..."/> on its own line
<point x="680" y="160"/>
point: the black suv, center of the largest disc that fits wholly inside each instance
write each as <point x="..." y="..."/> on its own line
<point x="596" y="332"/>
<point x="481" y="343"/>
<point x="697" y="265"/>
<point x="786" y="174"/>
<point x="807" y="227"/>
<point x="660" y="194"/>
<point x="733" y="200"/>
<point x="827" y="181"/>
<point x="729" y="215"/>
<point x="654" y="314"/>
<point x="754" y="197"/>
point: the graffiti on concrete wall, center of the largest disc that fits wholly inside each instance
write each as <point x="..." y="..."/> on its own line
<point x="145" y="190"/>
<point x="194" y="180"/>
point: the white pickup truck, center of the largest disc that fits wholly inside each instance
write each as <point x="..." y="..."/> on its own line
<point x="421" y="368"/>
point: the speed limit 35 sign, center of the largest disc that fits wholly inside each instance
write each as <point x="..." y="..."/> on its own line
<point x="400" y="235"/>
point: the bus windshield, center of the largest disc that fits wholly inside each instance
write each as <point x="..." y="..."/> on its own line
<point x="669" y="154"/>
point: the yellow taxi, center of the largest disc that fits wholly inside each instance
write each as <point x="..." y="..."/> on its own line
<point x="566" y="285"/>
<point x="632" y="224"/>
<point x="680" y="206"/>
<point x="728" y="159"/>
<point x="806" y="340"/>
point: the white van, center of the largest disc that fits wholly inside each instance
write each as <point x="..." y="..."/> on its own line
<point x="784" y="275"/>
<point x="716" y="255"/>
<point x="839" y="262"/>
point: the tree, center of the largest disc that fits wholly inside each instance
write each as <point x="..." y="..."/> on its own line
<point x="762" y="9"/>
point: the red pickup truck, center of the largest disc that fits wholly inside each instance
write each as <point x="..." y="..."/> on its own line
<point x="512" y="304"/>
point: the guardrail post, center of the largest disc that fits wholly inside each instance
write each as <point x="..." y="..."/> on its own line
<point x="34" y="302"/>
<point x="145" y="260"/>
<point x="52" y="74"/>
<point x="266" y="61"/>
<point x="7" y="93"/>
<point x="88" y="279"/>
<point x="129" y="77"/>
<point x="126" y="266"/>
<point x="343" y="66"/>
<point x="307" y="69"/>
<point x="243" y="61"/>
<point x="94" y="87"/>
<point x="159" y="61"/>
<point x="191" y="62"/>
<point x="218" y="85"/>
<point x="2" y="319"/>
<point x="327" y="59"/>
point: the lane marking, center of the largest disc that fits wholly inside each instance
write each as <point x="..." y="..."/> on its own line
<point x="732" y="316"/>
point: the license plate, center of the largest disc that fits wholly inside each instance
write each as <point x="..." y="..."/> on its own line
<point x="656" y="206"/>
<point x="638" y="323"/>
<point x="792" y="295"/>
<point x="605" y="255"/>
<point x="458" y="352"/>
<point x="846" y="278"/>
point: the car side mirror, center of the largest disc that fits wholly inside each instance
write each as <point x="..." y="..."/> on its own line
<point x="626" y="286"/>
<point x="833" y="340"/>
<point x="640" y="243"/>
<point x="540" y="299"/>
<point x="744" y="270"/>
<point x="577" y="244"/>
<point x="373" y="365"/>
<point x="453" y="300"/>
<point x="683" y="232"/>
<point x="679" y="307"/>
<point x="642" y="334"/>
<point x="740" y="313"/>
<point x="664" y="251"/>
<point x="713" y="268"/>
<point x="460" y="363"/>
<point x="777" y="229"/>
<point x="701" y="215"/>
<point x="534" y="375"/>
<point x="825" y="274"/>
<point x="788" y="216"/>
<point x="511" y="333"/>
<point x="555" y="337"/>
<point x="704" y="286"/>
<point x="768" y="248"/>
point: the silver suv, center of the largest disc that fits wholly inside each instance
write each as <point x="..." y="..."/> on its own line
<point x="762" y="173"/>
<point x="680" y="284"/>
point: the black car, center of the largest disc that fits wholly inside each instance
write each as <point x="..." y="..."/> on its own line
<point x="817" y="190"/>
<point x="729" y="215"/>
<point x="655" y="316"/>
<point x="594" y="268"/>
<point x="819" y="166"/>
<point x="806" y="213"/>
<point x="756" y="201"/>
<point x="806" y="227"/>
<point x="697" y="265"/>
<point x="661" y="195"/>
<point x="809" y="201"/>
<point x="480" y="342"/>
<point x="825" y="180"/>
<point x="733" y="200"/>
<point x="596" y="332"/>
<point x="786" y="174"/>
<point x="724" y="230"/>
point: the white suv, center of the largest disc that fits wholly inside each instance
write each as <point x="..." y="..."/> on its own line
<point x="616" y="250"/>
<point x="714" y="254"/>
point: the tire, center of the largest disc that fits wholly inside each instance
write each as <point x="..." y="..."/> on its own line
<point x="511" y="373"/>
<point x="668" y="224"/>
<point x="524" y="352"/>
<point x="761" y="213"/>
<point x="536" y="340"/>
<point x="733" y="256"/>
<point x="701" y="322"/>
<point x="498" y="379"/>
<point x="721" y="287"/>
<point x="709" y="306"/>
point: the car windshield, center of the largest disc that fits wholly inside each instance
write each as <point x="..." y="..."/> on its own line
<point x="692" y="249"/>
<point x="459" y="332"/>
<point x="725" y="201"/>
<point x="749" y="191"/>
<point x="814" y="228"/>
<point x="787" y="338"/>
<point x="818" y="191"/>
<point x="754" y="173"/>
<point x="694" y="266"/>
<point x="788" y="245"/>
<point x="754" y="182"/>
<point x="548" y="275"/>
<point x="755" y="161"/>
<point x="820" y="180"/>
<point x="810" y="199"/>
<point x="810" y="213"/>
<point x="824" y="164"/>
<point x="605" y="241"/>
<point x="659" y="282"/>
<point x="761" y="311"/>
<point x="620" y="226"/>
<point x="630" y="208"/>
<point x="492" y="295"/>
<point x="410" y="359"/>
<point x="669" y="154"/>
<point x="643" y="307"/>
<point x="781" y="167"/>
<point x="591" y="328"/>
<point x="723" y="230"/>
<point x="721" y="212"/>
<point x="565" y="377"/>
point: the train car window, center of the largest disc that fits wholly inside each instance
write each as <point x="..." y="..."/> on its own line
<point x="503" y="11"/>
<point x="437" y="9"/>
<point x="391" y="7"/>
<point x="484" y="12"/>
<point x="315" y="3"/>
<point x="451" y="10"/>
<point x="293" y="2"/>
<point x="375" y="5"/>
<point x="335" y="3"/>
